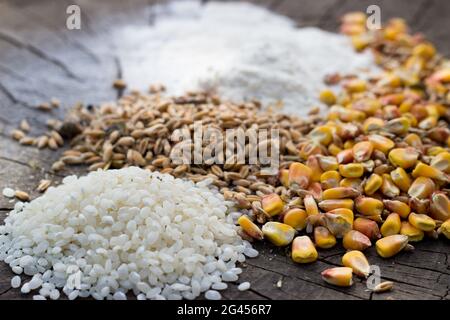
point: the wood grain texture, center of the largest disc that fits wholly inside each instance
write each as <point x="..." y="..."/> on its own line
<point x="41" y="59"/>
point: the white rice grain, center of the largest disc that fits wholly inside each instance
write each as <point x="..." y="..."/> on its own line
<point x="118" y="231"/>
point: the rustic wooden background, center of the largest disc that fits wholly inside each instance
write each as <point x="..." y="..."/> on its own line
<point x="41" y="59"/>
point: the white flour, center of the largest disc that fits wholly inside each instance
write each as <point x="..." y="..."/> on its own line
<point x="239" y="50"/>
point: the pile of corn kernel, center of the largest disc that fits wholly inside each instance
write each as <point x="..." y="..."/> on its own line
<point x="377" y="168"/>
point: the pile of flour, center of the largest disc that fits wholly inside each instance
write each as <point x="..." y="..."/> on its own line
<point x="238" y="50"/>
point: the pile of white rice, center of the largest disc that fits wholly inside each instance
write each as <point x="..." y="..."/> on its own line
<point x="119" y="231"/>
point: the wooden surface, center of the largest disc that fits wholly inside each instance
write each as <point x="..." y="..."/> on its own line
<point x="41" y="59"/>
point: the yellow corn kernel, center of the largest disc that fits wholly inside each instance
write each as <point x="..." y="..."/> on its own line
<point x="347" y="214"/>
<point x="328" y="205"/>
<point x="316" y="170"/>
<point x="323" y="238"/>
<point x="388" y="188"/>
<point x="422" y="188"/>
<point x="250" y="228"/>
<point x="334" y="149"/>
<point x="278" y="233"/>
<point x="355" y="240"/>
<point x="434" y="151"/>
<point x="299" y="175"/>
<point x="442" y="75"/>
<point x="391" y="80"/>
<point x="284" y="177"/>
<point x="440" y="206"/>
<point x="349" y="144"/>
<point x="403" y="157"/>
<point x="398" y="126"/>
<point x="391" y="226"/>
<point x="338" y="225"/>
<point x="340" y="193"/>
<point x="412" y="119"/>
<point x="351" y="170"/>
<point x="441" y="162"/>
<point x="327" y="163"/>
<point x="327" y="97"/>
<point x="373" y="184"/>
<point x="391" y="111"/>
<point x="362" y="151"/>
<point x="405" y="106"/>
<point x="377" y="218"/>
<point x="381" y="143"/>
<point x="322" y="135"/>
<point x="339" y="276"/>
<point x="401" y="179"/>
<point x="315" y="189"/>
<point x="355" y="17"/>
<point x="352" y="29"/>
<point x="296" y="218"/>
<point x="330" y="179"/>
<point x="372" y="124"/>
<point x="355" y="183"/>
<point x="392" y="99"/>
<point x="445" y="229"/>
<point x="355" y="86"/>
<point x="401" y="208"/>
<point x="309" y="148"/>
<point x="428" y="123"/>
<point x="424" y="170"/>
<point x="303" y="250"/>
<point x="345" y="114"/>
<point x="421" y="221"/>
<point x="391" y="245"/>
<point x="369" y="206"/>
<point x="414" y="140"/>
<point x="369" y="107"/>
<point x="424" y="50"/>
<point x="358" y="262"/>
<point x="367" y="227"/>
<point x="310" y="205"/>
<point x="272" y="204"/>
<point x="433" y="110"/>
<point x="345" y="156"/>
<point x="359" y="42"/>
<point x="412" y="232"/>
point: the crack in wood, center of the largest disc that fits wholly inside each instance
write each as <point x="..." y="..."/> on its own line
<point x="12" y="97"/>
<point x="303" y="279"/>
<point x="408" y="283"/>
<point x="5" y="291"/>
<point x="5" y="121"/>
<point x="31" y="167"/>
<point x="259" y="294"/>
<point x="12" y="73"/>
<point x="61" y="34"/>
<point x="38" y="53"/>
<point x="329" y="262"/>
<point x="441" y="272"/>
